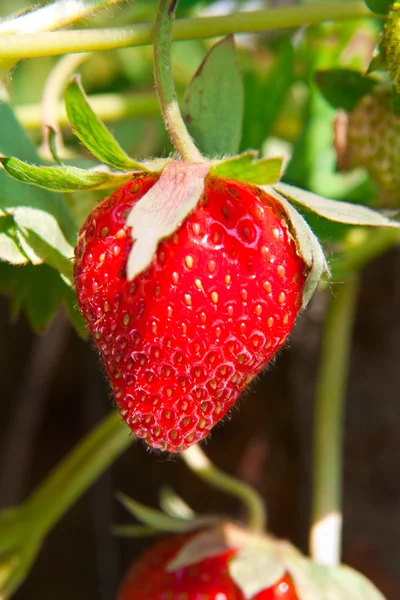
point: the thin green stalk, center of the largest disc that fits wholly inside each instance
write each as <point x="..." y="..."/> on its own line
<point x="52" y="93"/>
<point x="109" y="107"/>
<point x="325" y="538"/>
<point x="173" y="120"/>
<point x="49" y="44"/>
<point x="198" y="462"/>
<point x="46" y="18"/>
<point x="78" y="471"/>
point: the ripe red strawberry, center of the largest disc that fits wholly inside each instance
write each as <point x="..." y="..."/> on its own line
<point x="183" y="339"/>
<point x="209" y="579"/>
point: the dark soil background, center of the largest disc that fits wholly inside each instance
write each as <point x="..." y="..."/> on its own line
<point x="53" y="391"/>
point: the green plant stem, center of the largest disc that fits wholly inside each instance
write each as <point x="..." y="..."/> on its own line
<point x="171" y="113"/>
<point x="77" y="472"/>
<point x="198" y="462"/>
<point x="374" y="244"/>
<point x="52" y="93"/>
<point x="325" y="538"/>
<point x="48" y="44"/>
<point x="109" y="107"/>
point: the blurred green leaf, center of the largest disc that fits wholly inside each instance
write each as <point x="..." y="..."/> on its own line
<point x="40" y="225"/>
<point x="379" y="6"/>
<point x="63" y="179"/>
<point x="38" y="291"/>
<point x="264" y="97"/>
<point x="343" y="88"/>
<point x="213" y="102"/>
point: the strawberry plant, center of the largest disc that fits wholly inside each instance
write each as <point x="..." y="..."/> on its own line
<point x="188" y="259"/>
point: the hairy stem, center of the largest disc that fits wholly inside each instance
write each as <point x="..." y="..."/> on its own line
<point x="325" y="537"/>
<point x="48" y="44"/>
<point x="198" y="462"/>
<point x="173" y="120"/>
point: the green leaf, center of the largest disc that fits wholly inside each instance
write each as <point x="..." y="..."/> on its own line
<point x="379" y="6"/>
<point x="245" y="168"/>
<point x="335" y="210"/>
<point x="213" y="102"/>
<point x="26" y="284"/>
<point x="343" y="88"/>
<point x="308" y="246"/>
<point x="314" y="582"/>
<point x="92" y="131"/>
<point x="265" y="96"/>
<point x="162" y="209"/>
<point x="10" y="250"/>
<point x="63" y="179"/>
<point x="256" y="568"/>
<point x="43" y="229"/>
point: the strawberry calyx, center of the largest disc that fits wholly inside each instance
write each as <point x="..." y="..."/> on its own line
<point x="253" y="566"/>
<point x="256" y="562"/>
<point x="259" y="562"/>
<point x="179" y="189"/>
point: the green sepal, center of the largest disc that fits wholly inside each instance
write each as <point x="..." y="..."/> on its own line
<point x="92" y="132"/>
<point x="213" y="104"/>
<point x="256" y="568"/>
<point x="379" y="6"/>
<point x="343" y="88"/>
<point x="307" y="244"/>
<point x="163" y="522"/>
<point x="248" y="169"/>
<point x="173" y="505"/>
<point x="313" y="581"/>
<point x="334" y="210"/>
<point x="63" y="178"/>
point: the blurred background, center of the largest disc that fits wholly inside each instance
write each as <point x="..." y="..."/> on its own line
<point x="53" y="386"/>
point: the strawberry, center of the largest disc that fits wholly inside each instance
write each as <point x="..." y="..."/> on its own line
<point x="369" y="138"/>
<point x="208" y="579"/>
<point x="183" y="339"/>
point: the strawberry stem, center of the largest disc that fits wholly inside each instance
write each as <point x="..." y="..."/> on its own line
<point x="24" y="528"/>
<point x="172" y="116"/>
<point x="77" y="471"/>
<point x="108" y="107"/>
<point x="325" y="536"/>
<point x="50" y="44"/>
<point x="198" y="462"/>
